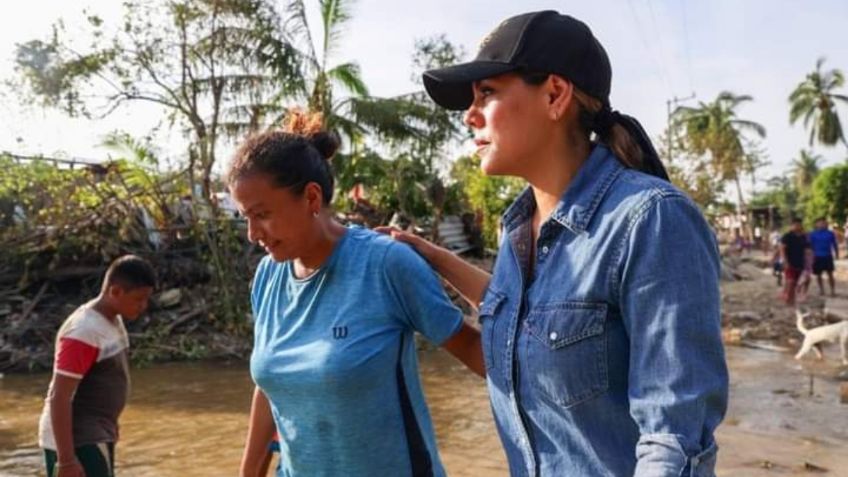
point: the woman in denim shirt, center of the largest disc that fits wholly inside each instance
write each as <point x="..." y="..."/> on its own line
<point x="600" y="322"/>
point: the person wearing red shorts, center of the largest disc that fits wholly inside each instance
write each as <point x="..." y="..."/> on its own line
<point x="796" y="253"/>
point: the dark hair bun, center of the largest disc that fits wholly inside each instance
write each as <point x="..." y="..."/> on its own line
<point x="311" y="127"/>
<point x="326" y="142"/>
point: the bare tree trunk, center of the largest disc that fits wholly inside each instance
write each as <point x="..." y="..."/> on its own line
<point x="742" y="210"/>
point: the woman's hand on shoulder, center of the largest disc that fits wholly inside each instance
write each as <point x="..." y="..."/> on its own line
<point x="427" y="249"/>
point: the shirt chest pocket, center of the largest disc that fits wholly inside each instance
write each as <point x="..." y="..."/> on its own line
<point x="566" y="351"/>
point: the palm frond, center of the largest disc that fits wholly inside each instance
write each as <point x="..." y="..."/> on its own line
<point x="349" y="76"/>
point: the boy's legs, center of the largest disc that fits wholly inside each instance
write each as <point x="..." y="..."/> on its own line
<point x="820" y="266"/>
<point x="832" y="283"/>
<point x="98" y="460"/>
<point x="778" y="272"/>
<point x="789" y="283"/>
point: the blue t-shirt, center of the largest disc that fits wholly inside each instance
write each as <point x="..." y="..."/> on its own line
<point x="823" y="242"/>
<point x="334" y="353"/>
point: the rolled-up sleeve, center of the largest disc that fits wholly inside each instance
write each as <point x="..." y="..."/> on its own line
<point x="670" y="304"/>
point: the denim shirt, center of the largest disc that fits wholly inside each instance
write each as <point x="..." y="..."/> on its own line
<point x="605" y="358"/>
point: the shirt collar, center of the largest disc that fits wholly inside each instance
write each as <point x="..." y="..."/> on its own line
<point x="581" y="199"/>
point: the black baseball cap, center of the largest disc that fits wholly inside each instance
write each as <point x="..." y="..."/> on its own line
<point x="537" y="42"/>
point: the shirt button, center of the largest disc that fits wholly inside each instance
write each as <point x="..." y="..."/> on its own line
<point x="554" y="335"/>
<point x="545" y="249"/>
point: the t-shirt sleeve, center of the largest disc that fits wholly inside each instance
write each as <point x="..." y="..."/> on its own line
<point x="74" y="357"/>
<point x="423" y="304"/>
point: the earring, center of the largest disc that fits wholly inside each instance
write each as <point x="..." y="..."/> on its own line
<point x="315" y="214"/>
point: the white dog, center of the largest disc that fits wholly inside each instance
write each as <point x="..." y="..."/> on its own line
<point x="814" y="336"/>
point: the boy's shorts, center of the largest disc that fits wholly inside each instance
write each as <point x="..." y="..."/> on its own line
<point x="778" y="267"/>
<point x="98" y="460"/>
<point x="822" y="264"/>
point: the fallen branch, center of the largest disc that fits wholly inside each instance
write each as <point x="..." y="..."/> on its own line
<point x="183" y="319"/>
<point x="34" y="302"/>
<point x="764" y="346"/>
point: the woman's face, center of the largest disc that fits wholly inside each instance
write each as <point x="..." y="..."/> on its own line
<point x="279" y="220"/>
<point x="510" y="121"/>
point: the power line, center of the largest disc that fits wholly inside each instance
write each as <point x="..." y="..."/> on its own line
<point x="660" y="68"/>
<point x="686" y="43"/>
<point x="663" y="51"/>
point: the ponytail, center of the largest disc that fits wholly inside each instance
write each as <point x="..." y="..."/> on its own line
<point x="621" y="133"/>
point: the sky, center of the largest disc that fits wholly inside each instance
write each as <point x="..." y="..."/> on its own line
<point x="659" y="50"/>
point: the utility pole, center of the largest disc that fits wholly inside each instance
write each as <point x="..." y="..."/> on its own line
<point x="668" y="103"/>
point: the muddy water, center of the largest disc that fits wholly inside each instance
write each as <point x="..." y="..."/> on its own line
<point x="188" y="420"/>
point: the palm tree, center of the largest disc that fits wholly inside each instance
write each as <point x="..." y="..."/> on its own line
<point x="814" y="99"/>
<point x="805" y="169"/>
<point x="337" y="91"/>
<point x="713" y="128"/>
<point x="756" y="157"/>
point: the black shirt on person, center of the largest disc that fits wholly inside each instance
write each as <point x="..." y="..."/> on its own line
<point x="796" y="246"/>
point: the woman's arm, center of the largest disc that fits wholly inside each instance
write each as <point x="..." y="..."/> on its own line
<point x="259" y="434"/>
<point x="670" y="306"/>
<point x="465" y="346"/>
<point x="469" y="280"/>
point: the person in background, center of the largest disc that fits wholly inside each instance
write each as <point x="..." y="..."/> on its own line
<point x="777" y="265"/>
<point x="78" y="428"/>
<point x="796" y="254"/>
<point x="825" y="249"/>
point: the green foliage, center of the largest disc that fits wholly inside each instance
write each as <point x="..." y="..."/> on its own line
<point x="434" y="52"/>
<point x="814" y="100"/>
<point x="829" y="195"/>
<point x="66" y="211"/>
<point x="53" y="218"/>
<point x="218" y="68"/>
<point x="486" y="196"/>
<point x="713" y="128"/>
<point x="804" y="171"/>
<point x="698" y="183"/>
<point x="781" y="193"/>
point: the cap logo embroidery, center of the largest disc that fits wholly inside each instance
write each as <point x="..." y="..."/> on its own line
<point x="488" y="38"/>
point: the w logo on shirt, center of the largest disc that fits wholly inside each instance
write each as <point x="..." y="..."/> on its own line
<point x="339" y="332"/>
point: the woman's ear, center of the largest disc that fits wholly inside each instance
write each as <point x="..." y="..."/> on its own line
<point x="560" y="92"/>
<point x="314" y="196"/>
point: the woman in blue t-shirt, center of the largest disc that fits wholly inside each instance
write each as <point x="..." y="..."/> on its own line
<point x="335" y="310"/>
<point x="601" y="318"/>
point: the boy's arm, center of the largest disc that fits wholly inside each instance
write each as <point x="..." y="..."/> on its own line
<point x="61" y="397"/>
<point x="835" y="247"/>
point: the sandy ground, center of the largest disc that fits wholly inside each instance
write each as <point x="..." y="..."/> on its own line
<point x="785" y="416"/>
